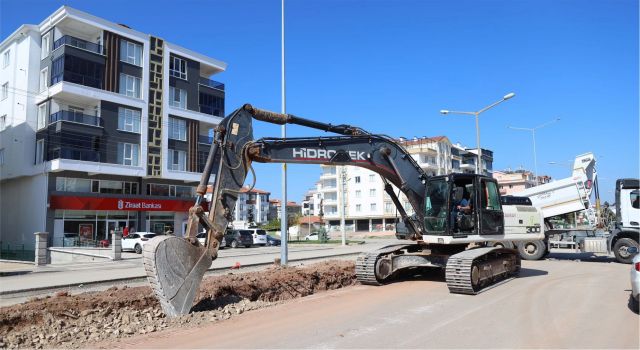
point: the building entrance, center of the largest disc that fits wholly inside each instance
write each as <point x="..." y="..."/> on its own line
<point x="115" y="226"/>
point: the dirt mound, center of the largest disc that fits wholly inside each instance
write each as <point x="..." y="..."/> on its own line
<point x="74" y="321"/>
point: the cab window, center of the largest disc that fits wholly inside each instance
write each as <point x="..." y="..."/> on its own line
<point x="635" y="198"/>
<point x="490" y="198"/>
<point x="436" y="205"/>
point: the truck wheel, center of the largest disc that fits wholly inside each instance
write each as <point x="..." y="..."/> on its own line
<point x="138" y="249"/>
<point x="532" y="250"/>
<point x="620" y="249"/>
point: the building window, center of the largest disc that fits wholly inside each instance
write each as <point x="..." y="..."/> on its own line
<point x="373" y="206"/>
<point x="130" y="52"/>
<point x="1" y="156"/>
<point x="372" y="192"/>
<point x="46" y="44"/>
<point x="128" y="154"/>
<point x="128" y="120"/>
<point x="357" y="179"/>
<point x="358" y="193"/>
<point x="44" y="75"/>
<point x="178" y="67"/>
<point x="171" y="190"/>
<point x="358" y="208"/>
<point x="177" y="97"/>
<point x="129" y="85"/>
<point x="42" y="116"/>
<point x="387" y="207"/>
<point x="6" y="58"/>
<point x="3" y="122"/>
<point x="5" y="91"/>
<point x="177" y="129"/>
<point x="177" y="160"/>
<point x="39" y="151"/>
<point x="372" y="177"/>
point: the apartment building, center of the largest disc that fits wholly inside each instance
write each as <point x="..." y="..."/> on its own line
<point x="101" y="127"/>
<point x="275" y="209"/>
<point x="513" y="181"/>
<point x="252" y="207"/>
<point x="358" y="194"/>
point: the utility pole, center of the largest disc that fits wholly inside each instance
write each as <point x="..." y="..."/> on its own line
<point x="284" y="232"/>
<point x="343" y="203"/>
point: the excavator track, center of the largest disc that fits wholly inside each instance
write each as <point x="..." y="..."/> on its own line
<point x="366" y="264"/>
<point x="475" y="270"/>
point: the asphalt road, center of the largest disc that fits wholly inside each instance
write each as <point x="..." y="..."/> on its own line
<point x="554" y="304"/>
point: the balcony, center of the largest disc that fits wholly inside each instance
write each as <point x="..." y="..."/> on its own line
<point x="76" y="154"/>
<point x="77" y="79"/>
<point x="75" y="117"/>
<point x="210" y="110"/>
<point x="211" y="83"/>
<point x="79" y="43"/>
<point x="205" y="139"/>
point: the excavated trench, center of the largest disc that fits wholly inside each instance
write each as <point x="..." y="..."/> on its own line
<point x="76" y="321"/>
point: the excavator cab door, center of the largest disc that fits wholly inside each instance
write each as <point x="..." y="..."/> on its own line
<point x="489" y="207"/>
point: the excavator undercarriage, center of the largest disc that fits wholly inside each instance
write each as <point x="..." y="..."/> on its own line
<point x="175" y="266"/>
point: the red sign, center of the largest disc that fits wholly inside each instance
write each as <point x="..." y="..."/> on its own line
<point x="129" y="204"/>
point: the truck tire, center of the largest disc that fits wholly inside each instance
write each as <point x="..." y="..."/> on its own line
<point x="532" y="250"/>
<point x="620" y="250"/>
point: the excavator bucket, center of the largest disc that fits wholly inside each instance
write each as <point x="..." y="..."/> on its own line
<point x="175" y="265"/>
<point x="174" y="269"/>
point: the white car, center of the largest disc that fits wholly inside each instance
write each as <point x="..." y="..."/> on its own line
<point x="635" y="282"/>
<point x="259" y="236"/>
<point x="135" y="241"/>
<point x="202" y="238"/>
<point x="312" y="237"/>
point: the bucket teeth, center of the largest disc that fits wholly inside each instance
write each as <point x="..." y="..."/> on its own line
<point x="175" y="269"/>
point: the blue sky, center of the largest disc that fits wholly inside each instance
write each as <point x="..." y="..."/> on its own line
<point x="390" y="66"/>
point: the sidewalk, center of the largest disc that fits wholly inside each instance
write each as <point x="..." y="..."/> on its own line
<point x="68" y="275"/>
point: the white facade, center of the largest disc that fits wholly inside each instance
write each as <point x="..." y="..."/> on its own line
<point x="30" y="97"/>
<point x="254" y="202"/>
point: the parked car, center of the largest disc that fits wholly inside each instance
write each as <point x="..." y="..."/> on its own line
<point x="202" y="237"/>
<point x="272" y="241"/>
<point x="635" y="280"/>
<point x="259" y="236"/>
<point x="312" y="237"/>
<point x="135" y="241"/>
<point x="236" y="238"/>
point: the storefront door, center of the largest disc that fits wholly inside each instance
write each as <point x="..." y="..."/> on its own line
<point x="115" y="226"/>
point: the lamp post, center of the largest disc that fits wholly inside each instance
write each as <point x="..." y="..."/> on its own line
<point x="284" y="232"/>
<point x="533" y="134"/>
<point x="477" y="114"/>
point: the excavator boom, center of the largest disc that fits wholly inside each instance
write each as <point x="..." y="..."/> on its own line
<point x="175" y="266"/>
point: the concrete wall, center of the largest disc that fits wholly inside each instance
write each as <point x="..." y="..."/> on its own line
<point x="23" y="204"/>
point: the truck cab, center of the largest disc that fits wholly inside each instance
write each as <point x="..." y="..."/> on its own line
<point x="627" y="226"/>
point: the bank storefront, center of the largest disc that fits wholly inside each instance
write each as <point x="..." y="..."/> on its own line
<point x="86" y="220"/>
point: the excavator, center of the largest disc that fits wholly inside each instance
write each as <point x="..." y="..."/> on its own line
<point x="444" y="235"/>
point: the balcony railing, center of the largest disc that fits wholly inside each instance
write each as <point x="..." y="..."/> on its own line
<point x="70" y="116"/>
<point x="77" y="78"/>
<point x="70" y="153"/>
<point x="79" y="43"/>
<point x="205" y="139"/>
<point x="210" y="110"/>
<point x="211" y="83"/>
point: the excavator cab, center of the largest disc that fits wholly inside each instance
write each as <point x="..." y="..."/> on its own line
<point x="460" y="205"/>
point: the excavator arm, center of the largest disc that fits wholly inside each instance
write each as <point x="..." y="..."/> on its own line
<point x="175" y="266"/>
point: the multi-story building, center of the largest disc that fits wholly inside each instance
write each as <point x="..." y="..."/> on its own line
<point x="512" y="182"/>
<point x="275" y="209"/>
<point x="252" y="207"/>
<point x="358" y="195"/>
<point x="101" y="127"/>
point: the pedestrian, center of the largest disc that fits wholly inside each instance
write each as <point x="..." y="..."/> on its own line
<point x="125" y="231"/>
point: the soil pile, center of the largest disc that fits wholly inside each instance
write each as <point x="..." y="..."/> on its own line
<point x="74" y="321"/>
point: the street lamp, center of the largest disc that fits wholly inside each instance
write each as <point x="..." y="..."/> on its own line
<point x="476" y="114"/>
<point x="533" y="133"/>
